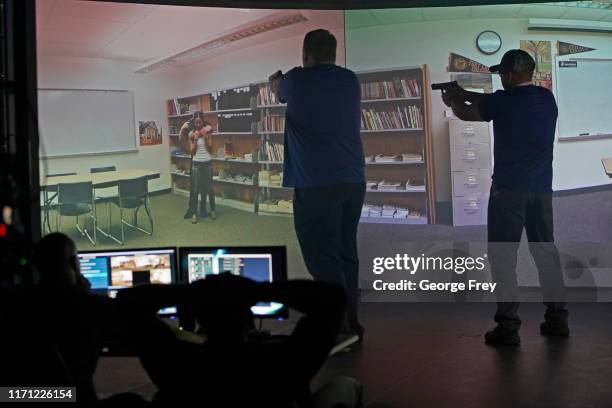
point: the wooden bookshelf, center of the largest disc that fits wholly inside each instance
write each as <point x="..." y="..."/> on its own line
<point x="229" y="147"/>
<point x="267" y="128"/>
<point x="395" y="120"/>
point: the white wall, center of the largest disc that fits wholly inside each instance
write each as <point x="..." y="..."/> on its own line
<point x="248" y="65"/>
<point x="576" y="164"/>
<point x="150" y="94"/>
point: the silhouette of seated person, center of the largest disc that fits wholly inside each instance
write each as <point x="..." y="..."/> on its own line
<point x="61" y="312"/>
<point x="228" y="368"/>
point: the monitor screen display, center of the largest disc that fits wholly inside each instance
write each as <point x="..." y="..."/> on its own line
<point x="111" y="271"/>
<point x="261" y="264"/>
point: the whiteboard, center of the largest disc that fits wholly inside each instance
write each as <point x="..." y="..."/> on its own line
<point x="79" y="122"/>
<point x="583" y="97"/>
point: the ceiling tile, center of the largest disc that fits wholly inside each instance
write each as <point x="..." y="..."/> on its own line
<point x="542" y="11"/>
<point x="497" y="11"/>
<point x="65" y="37"/>
<point x="84" y="26"/>
<point x="116" y="12"/>
<point x="583" y="13"/>
<point x="64" y="50"/>
<point x="446" y="13"/>
<point x="398" y="16"/>
<point x="359" y="18"/>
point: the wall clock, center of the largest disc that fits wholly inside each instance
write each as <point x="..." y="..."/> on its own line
<point x="488" y="42"/>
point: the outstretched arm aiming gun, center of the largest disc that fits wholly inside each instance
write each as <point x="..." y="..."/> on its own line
<point x="465" y="104"/>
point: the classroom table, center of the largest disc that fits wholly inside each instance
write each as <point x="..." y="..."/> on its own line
<point x="607" y="164"/>
<point x="99" y="181"/>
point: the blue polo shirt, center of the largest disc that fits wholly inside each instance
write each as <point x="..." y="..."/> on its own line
<point x="322" y="127"/>
<point x="524" y="121"/>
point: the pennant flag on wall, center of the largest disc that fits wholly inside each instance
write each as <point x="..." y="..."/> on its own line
<point x="564" y="48"/>
<point x="459" y="63"/>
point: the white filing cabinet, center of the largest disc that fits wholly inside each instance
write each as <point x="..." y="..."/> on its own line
<point x="471" y="168"/>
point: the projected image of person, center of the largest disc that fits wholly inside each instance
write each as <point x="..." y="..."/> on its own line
<point x="524" y="121"/>
<point x="324" y="163"/>
<point x="196" y="134"/>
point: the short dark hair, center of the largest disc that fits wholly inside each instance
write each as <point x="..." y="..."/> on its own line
<point x="52" y="254"/>
<point x="320" y="45"/>
<point x="197" y="114"/>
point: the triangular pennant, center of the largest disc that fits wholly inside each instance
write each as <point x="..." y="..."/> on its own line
<point x="459" y="63"/>
<point x="564" y="48"/>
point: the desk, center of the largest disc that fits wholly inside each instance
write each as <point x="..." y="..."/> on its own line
<point x="99" y="180"/>
<point x="607" y="163"/>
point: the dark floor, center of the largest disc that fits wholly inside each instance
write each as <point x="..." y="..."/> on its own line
<point x="432" y="355"/>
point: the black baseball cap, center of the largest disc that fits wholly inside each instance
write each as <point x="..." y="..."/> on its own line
<point x="518" y="61"/>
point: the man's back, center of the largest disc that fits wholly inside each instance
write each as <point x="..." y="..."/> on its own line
<point x="524" y="122"/>
<point x="322" y="134"/>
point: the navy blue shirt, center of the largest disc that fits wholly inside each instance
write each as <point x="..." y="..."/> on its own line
<point x="322" y="126"/>
<point x="524" y="122"/>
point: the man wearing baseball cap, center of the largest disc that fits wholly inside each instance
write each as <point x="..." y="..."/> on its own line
<point x="524" y="120"/>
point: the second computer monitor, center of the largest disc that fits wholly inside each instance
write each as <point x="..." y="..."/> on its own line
<point x="262" y="264"/>
<point x="110" y="271"/>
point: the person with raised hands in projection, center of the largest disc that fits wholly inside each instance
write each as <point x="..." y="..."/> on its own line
<point x="196" y="134"/>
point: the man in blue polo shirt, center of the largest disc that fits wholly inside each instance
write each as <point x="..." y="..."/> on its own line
<point x="324" y="163"/>
<point x="524" y="120"/>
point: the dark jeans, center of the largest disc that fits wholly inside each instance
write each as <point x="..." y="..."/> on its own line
<point x="201" y="183"/>
<point x="326" y="220"/>
<point x="511" y="211"/>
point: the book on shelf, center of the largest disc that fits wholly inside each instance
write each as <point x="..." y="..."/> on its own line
<point x="268" y="178"/>
<point x="277" y="206"/>
<point x="271" y="123"/>
<point x="394" y="158"/>
<point x="266" y="97"/>
<point x="407" y="117"/>
<point x="274" y="152"/>
<point x="388" y="211"/>
<point x="236" y="178"/>
<point x="228" y="149"/>
<point x="386" y="185"/>
<point x="391" y="89"/>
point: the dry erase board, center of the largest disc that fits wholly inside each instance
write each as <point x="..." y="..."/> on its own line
<point x="583" y="97"/>
<point x="79" y="121"/>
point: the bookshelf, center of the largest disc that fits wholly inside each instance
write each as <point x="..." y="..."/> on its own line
<point x="246" y="120"/>
<point x="396" y="135"/>
<point x="248" y="145"/>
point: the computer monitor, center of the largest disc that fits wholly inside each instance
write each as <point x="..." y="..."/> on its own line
<point x="110" y="271"/>
<point x="262" y="264"/>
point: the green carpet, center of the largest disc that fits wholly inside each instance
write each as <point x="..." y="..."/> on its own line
<point x="231" y="228"/>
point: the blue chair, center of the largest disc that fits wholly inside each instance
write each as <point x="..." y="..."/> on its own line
<point x="48" y="200"/>
<point x="133" y="195"/>
<point x="76" y="200"/>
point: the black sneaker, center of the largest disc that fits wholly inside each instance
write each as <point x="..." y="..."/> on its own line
<point x="188" y="215"/>
<point x="502" y="337"/>
<point x="554" y="329"/>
